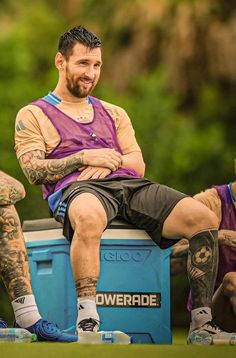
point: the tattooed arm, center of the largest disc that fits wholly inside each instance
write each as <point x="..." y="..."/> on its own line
<point x="11" y="190"/>
<point x="39" y="170"/>
<point x="227" y="237"/>
<point x="178" y="258"/>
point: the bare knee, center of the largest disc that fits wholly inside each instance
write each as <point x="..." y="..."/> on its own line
<point x="196" y="217"/>
<point x="88" y="227"/>
<point x="89" y="222"/>
<point x="201" y="217"/>
<point x="229" y="283"/>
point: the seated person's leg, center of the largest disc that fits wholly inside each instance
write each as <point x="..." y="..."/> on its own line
<point x="88" y="219"/>
<point x="185" y="217"/>
<point x="14" y="268"/>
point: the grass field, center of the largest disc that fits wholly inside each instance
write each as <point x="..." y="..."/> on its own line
<point x="178" y="349"/>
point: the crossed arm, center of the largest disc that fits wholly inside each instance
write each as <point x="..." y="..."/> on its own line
<point x="39" y="170"/>
<point x="11" y="190"/>
<point x="94" y="163"/>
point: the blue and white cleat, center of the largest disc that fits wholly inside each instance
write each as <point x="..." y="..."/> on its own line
<point x="49" y="332"/>
<point x="210" y="333"/>
<point x="3" y="324"/>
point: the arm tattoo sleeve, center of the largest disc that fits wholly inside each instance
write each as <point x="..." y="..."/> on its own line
<point x="180" y="249"/>
<point x="39" y="170"/>
<point x="227" y="237"/>
<point x="11" y="190"/>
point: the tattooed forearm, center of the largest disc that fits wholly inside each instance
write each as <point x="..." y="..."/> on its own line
<point x="180" y="249"/>
<point x="178" y="259"/>
<point x="86" y="286"/>
<point x="14" y="266"/>
<point x="227" y="237"/>
<point x="11" y="190"/>
<point x="39" y="170"/>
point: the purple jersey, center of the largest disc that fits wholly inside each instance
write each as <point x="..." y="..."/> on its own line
<point x="227" y="254"/>
<point x="75" y="136"/>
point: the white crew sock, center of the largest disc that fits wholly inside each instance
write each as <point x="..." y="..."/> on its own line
<point x="200" y="316"/>
<point x="87" y="308"/>
<point x="26" y="311"/>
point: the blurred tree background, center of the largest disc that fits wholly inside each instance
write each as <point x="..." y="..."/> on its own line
<point x="169" y="63"/>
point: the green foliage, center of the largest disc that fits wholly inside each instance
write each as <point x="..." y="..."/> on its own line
<point x="181" y="150"/>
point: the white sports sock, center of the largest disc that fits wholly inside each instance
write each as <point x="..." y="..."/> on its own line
<point x="87" y="308"/>
<point x="26" y="311"/>
<point x="200" y="316"/>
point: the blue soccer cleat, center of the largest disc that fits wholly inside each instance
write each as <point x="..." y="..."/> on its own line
<point x="49" y="332"/>
<point x="3" y="324"/>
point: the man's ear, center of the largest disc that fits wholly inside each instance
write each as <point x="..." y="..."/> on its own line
<point x="59" y="61"/>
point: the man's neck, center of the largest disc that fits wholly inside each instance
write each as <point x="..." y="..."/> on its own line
<point x="66" y="96"/>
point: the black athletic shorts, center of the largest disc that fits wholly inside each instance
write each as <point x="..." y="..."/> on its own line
<point x="138" y="201"/>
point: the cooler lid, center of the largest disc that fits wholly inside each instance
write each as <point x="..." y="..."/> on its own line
<point x="50" y="229"/>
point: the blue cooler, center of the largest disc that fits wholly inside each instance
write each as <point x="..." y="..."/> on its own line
<point x="133" y="293"/>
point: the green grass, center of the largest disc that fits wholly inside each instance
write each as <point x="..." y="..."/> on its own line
<point x="179" y="336"/>
<point x="178" y="349"/>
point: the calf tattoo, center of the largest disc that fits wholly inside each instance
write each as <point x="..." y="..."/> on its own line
<point x="86" y="286"/>
<point x="14" y="266"/>
<point x="202" y="267"/>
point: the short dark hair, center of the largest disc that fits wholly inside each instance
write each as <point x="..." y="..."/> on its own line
<point x="77" y="34"/>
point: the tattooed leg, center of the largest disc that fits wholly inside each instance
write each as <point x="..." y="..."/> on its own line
<point x="202" y="267"/>
<point x="86" y="271"/>
<point x="88" y="319"/>
<point x="85" y="210"/>
<point x="14" y="266"/>
<point x="86" y="286"/>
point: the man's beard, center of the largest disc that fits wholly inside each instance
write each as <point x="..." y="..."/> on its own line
<point x="76" y="88"/>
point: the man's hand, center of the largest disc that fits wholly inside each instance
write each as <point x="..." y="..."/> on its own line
<point x="104" y="157"/>
<point x="94" y="173"/>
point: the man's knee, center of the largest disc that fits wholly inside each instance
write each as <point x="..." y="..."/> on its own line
<point x="202" y="219"/>
<point x="197" y="217"/>
<point x="188" y="218"/>
<point x="229" y="283"/>
<point x="88" y="225"/>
